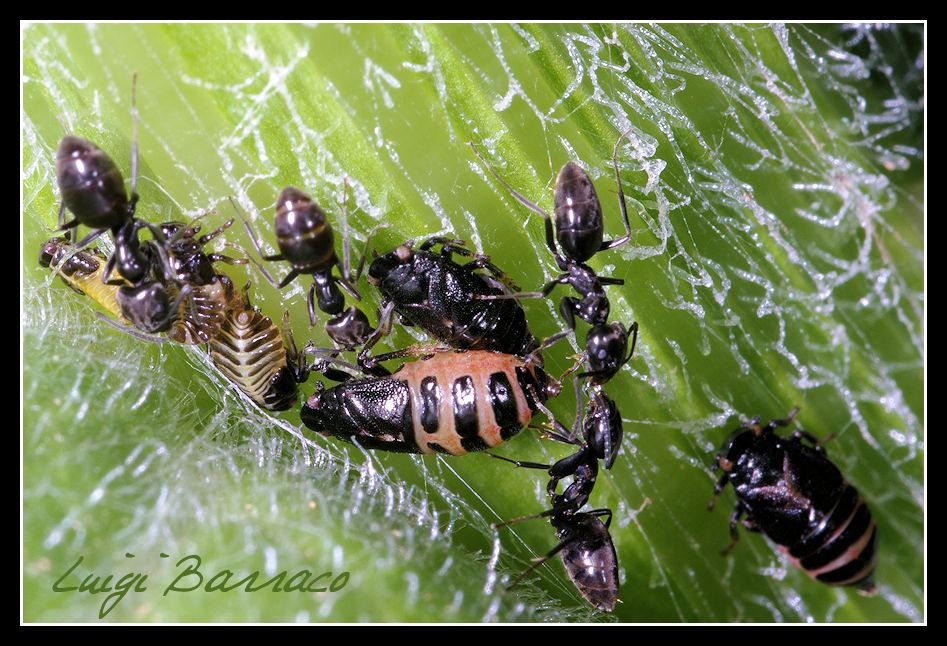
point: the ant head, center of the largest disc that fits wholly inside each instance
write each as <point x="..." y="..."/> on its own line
<point x="349" y="330"/>
<point x="606" y="346"/>
<point x="603" y="428"/>
<point x="147" y="306"/>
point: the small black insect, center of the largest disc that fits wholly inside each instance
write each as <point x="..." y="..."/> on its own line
<point x="257" y="356"/>
<point x="93" y="190"/>
<point x="588" y="553"/>
<point x="451" y="403"/>
<point x="579" y="229"/>
<point x="435" y="293"/>
<point x="580" y="232"/>
<point x="793" y="493"/>
<point x="306" y="240"/>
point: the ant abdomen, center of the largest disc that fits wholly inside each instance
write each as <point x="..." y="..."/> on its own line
<point x="92" y="187"/>
<point x="578" y="213"/>
<point x="303" y="232"/>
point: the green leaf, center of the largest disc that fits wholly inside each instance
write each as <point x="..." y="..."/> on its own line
<point x="775" y="186"/>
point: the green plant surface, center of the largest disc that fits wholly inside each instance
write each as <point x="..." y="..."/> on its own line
<point x="774" y="177"/>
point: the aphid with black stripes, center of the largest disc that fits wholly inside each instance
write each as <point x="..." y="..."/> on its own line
<point x="257" y="356"/>
<point x="437" y="294"/>
<point x="452" y="402"/>
<point x="788" y="489"/>
<point x="307" y="242"/>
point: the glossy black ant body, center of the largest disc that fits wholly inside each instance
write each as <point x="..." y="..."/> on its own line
<point x="93" y="190"/>
<point x="307" y="242"/>
<point x="588" y="553"/>
<point x="580" y="234"/>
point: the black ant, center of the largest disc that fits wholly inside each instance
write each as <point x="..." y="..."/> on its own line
<point x="93" y="190"/>
<point x="586" y="547"/>
<point x="580" y="232"/>
<point x="306" y="241"/>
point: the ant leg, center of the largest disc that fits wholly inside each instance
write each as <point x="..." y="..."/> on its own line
<point x="550" y="236"/>
<point x="109" y="266"/>
<point x="542" y="559"/>
<point x="520" y="463"/>
<point x="204" y="239"/>
<point x="738" y="512"/>
<point x="773" y="423"/>
<point x="607" y="280"/>
<point x="86" y="241"/>
<point x="602" y="512"/>
<point x="349" y="288"/>
<point x="568" y="307"/>
<point x="253" y="239"/>
<point x="368" y="238"/>
<point x="563" y="279"/>
<point x="371" y="366"/>
<point x="323" y="366"/>
<point x="311" y="302"/>
<point x="294" y="358"/>
<point x="535" y="355"/>
<point x="449" y="246"/>
<point x="216" y="257"/>
<point x="269" y="278"/>
<point x="346" y="267"/>
<point x="617" y="242"/>
<point x="521" y="519"/>
<point x="718" y="487"/>
<point x="383" y="329"/>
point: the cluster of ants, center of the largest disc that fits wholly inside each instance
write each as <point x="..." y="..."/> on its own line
<point x="477" y="386"/>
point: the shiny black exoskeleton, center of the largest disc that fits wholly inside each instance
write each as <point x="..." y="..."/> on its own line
<point x="306" y="240"/>
<point x="788" y="489"/>
<point x="579" y="229"/>
<point x="589" y="556"/>
<point x="93" y="190"/>
<point x="587" y="551"/>
<point x="435" y="293"/>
